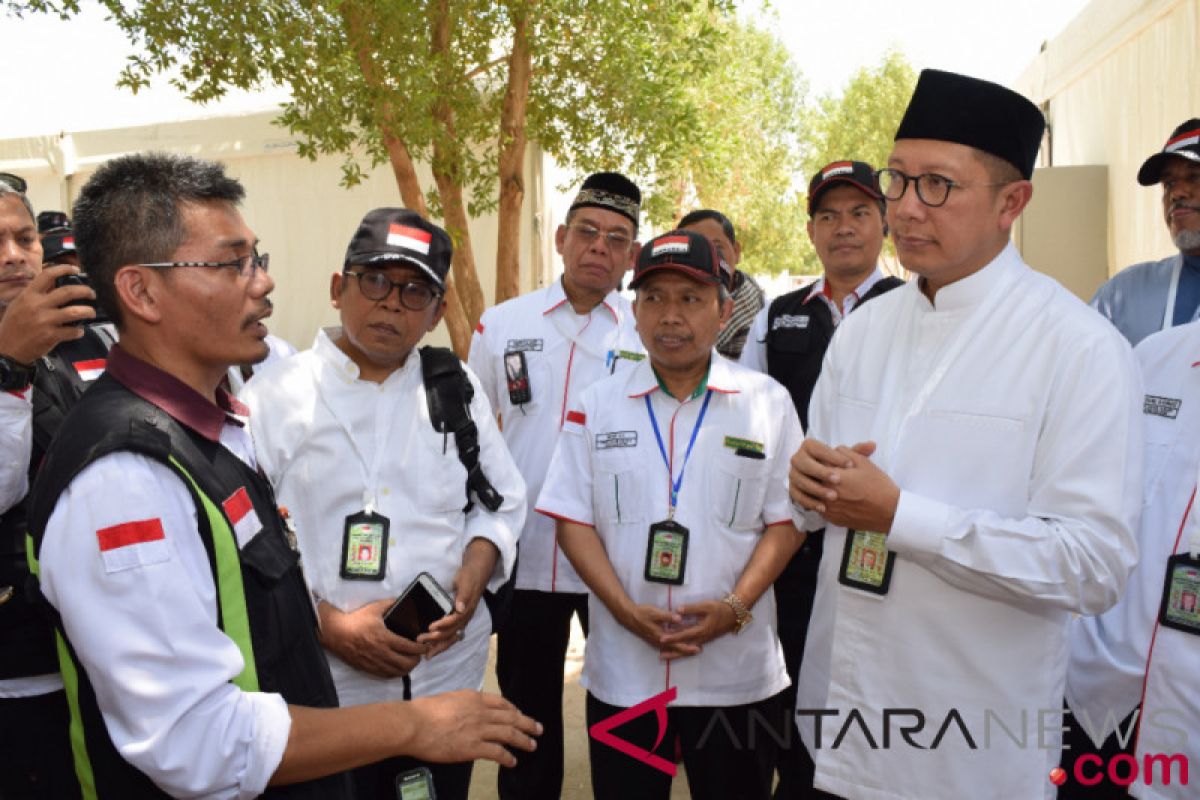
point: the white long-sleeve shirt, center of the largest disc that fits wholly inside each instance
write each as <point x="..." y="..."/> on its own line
<point x="16" y="446"/>
<point x="1018" y="459"/>
<point x="565" y="353"/>
<point x="303" y="410"/>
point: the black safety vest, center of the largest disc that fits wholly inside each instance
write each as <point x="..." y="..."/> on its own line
<point x="262" y="600"/>
<point x="26" y="639"/>
<point x="798" y="335"/>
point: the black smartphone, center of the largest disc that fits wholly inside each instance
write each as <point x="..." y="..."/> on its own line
<point x="516" y="371"/>
<point x="416" y="784"/>
<point x="77" y="280"/>
<point x="423" y="603"/>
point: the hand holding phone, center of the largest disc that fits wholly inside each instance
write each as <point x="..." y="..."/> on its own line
<point x="423" y="603"/>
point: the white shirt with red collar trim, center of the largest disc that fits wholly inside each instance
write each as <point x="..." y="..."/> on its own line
<point x="1124" y="656"/>
<point x="608" y="472"/>
<point x="754" y="355"/>
<point x="123" y="565"/>
<point x="565" y="353"/>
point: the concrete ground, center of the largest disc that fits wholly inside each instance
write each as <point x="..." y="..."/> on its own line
<point x="576" y="775"/>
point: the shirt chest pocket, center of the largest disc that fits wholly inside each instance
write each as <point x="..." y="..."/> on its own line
<point x="620" y="494"/>
<point x="440" y="487"/>
<point x="737" y="488"/>
<point x="534" y="378"/>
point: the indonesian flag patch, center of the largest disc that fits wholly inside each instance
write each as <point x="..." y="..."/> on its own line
<point x="574" y="422"/>
<point x="91" y="369"/>
<point x="240" y="511"/>
<point x="840" y="168"/>
<point x="133" y="544"/>
<point x="410" y="238"/>
<point x="69" y="241"/>
<point x="670" y="245"/>
<point x="1183" y="140"/>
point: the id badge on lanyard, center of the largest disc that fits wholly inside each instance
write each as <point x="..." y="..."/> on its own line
<point x="1180" y="606"/>
<point x="666" y="548"/>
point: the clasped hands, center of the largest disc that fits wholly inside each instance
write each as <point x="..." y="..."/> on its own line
<point x="843" y="485"/>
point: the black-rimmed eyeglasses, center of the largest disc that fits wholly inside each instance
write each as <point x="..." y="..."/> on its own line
<point x="14" y="182"/>
<point x="932" y="189"/>
<point x="245" y="265"/>
<point x="414" y="295"/>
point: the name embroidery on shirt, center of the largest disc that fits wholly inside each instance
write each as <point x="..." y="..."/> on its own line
<point x="1161" y="406"/>
<point x="796" y="321"/>
<point x="523" y="344"/>
<point x="607" y="441"/>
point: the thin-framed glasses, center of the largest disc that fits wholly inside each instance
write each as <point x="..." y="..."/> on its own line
<point x="246" y="265"/>
<point x="414" y="295"/>
<point x="932" y="189"/>
<point x="618" y="242"/>
<point x="14" y="182"/>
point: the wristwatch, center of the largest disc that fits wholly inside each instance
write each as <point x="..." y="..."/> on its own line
<point x="741" y="614"/>
<point x="14" y="376"/>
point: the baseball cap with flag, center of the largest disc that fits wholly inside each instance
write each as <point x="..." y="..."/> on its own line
<point x="397" y="235"/>
<point x="855" y="173"/>
<point x="686" y="252"/>
<point x="1184" y="142"/>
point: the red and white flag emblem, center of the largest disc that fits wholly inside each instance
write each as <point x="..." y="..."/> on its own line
<point x="411" y="238"/>
<point x="132" y="544"/>
<point x="69" y="241"/>
<point x="670" y="244"/>
<point x="240" y="511"/>
<point x="840" y="168"/>
<point x="574" y="422"/>
<point x="91" y="369"/>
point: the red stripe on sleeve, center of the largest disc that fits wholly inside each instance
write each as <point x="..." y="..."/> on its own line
<point x="127" y="533"/>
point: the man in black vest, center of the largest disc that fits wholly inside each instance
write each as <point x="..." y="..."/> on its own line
<point x="45" y="364"/>
<point x="188" y="639"/>
<point x="788" y="341"/>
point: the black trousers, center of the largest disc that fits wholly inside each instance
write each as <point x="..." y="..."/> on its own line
<point x="378" y="781"/>
<point x="531" y="649"/>
<point x="1077" y="743"/>
<point x="35" y="749"/>
<point x="728" y="751"/>
<point x="794" y="591"/>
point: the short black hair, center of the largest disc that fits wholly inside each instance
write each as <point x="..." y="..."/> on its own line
<point x="701" y="214"/>
<point x="131" y="212"/>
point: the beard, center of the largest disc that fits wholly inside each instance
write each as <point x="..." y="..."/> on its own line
<point x="1187" y="241"/>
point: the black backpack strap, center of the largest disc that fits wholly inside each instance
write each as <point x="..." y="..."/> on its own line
<point x="448" y="393"/>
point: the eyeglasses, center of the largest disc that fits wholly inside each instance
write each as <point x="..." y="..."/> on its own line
<point x="14" y="182"/>
<point x="932" y="189"/>
<point x="617" y="242"/>
<point x="245" y="265"/>
<point x="414" y="295"/>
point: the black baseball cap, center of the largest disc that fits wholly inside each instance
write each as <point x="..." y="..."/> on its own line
<point x="57" y="243"/>
<point x="1184" y="143"/>
<point x="686" y="252"/>
<point x="390" y="235"/>
<point x="52" y="221"/>
<point x="858" y="174"/>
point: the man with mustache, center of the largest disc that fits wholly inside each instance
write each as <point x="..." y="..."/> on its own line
<point x="977" y="431"/>
<point x="1156" y="295"/>
<point x="49" y="353"/>
<point x="187" y="635"/>
<point x="378" y="495"/>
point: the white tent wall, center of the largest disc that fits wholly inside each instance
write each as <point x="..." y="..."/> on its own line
<point x="1116" y="82"/>
<point x="302" y="215"/>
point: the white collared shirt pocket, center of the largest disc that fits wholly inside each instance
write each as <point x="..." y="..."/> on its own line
<point x="619" y="491"/>
<point x="737" y="488"/>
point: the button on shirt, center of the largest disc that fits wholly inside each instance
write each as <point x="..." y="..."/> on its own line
<point x="754" y="355"/>
<point x="1020" y="487"/>
<point x="608" y="473"/>
<point x="565" y="352"/>
<point x="145" y="627"/>
<point x="302" y="403"/>
<point x="1112" y="654"/>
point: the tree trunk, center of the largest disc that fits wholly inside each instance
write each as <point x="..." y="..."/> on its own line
<point x="512" y="158"/>
<point x="466" y="279"/>
<point x="405" y="172"/>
